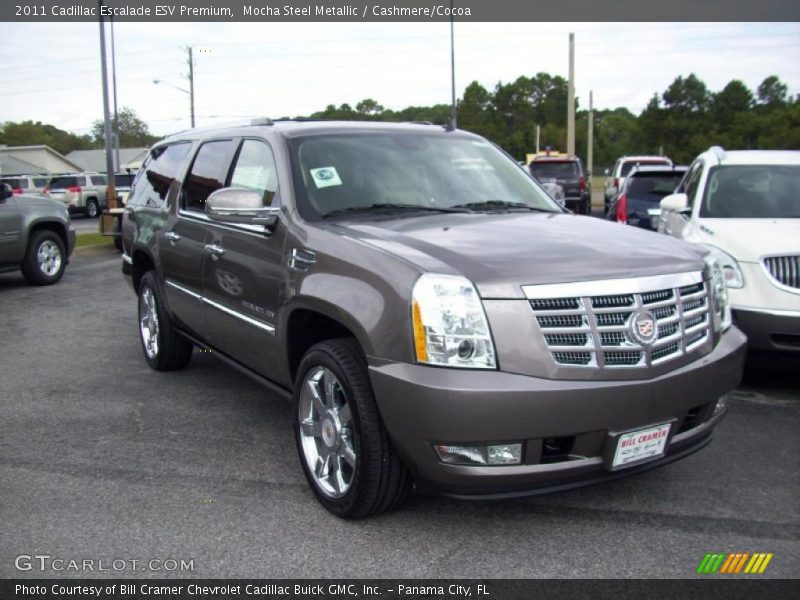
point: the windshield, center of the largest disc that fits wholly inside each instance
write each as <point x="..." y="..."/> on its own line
<point x="554" y="170"/>
<point x="652" y="187"/>
<point x="338" y="173"/>
<point x="752" y="192"/>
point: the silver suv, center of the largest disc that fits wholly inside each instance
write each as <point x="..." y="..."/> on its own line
<point x="35" y="236"/>
<point x="80" y="192"/>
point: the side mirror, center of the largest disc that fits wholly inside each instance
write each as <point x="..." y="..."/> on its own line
<point x="240" y="205"/>
<point x="5" y="191"/>
<point x="607" y="172"/>
<point x="678" y="203"/>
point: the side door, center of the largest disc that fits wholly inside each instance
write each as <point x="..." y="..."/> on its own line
<point x="184" y="237"/>
<point x="243" y="268"/>
<point x="11" y="249"/>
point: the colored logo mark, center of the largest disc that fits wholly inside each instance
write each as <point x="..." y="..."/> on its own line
<point x="734" y="564"/>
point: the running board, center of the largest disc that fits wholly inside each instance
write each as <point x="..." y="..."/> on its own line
<point x="267" y="383"/>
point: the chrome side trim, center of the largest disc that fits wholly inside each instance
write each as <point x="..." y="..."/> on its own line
<point x="266" y="327"/>
<point x="203" y="218"/>
<point x="186" y="291"/>
<point x="610" y="287"/>
<point x="127" y="259"/>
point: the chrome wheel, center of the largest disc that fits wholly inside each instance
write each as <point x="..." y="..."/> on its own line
<point x="48" y="257"/>
<point x="148" y="321"/>
<point x="91" y="209"/>
<point x="326" y="432"/>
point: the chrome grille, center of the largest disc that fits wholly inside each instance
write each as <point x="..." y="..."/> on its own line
<point x="784" y="269"/>
<point x="591" y="324"/>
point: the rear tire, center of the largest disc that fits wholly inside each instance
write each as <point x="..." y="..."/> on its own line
<point x="345" y="450"/>
<point x="45" y="259"/>
<point x="92" y="209"/>
<point x="164" y="348"/>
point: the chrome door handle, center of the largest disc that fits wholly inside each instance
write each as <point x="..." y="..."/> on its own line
<point x="215" y="250"/>
<point x="172" y="237"/>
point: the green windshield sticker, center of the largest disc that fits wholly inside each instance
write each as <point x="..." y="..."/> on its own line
<point x="325" y="177"/>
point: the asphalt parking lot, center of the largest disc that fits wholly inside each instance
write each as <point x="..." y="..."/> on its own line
<point x="103" y="458"/>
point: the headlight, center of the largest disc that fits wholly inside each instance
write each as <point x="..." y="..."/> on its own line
<point x="722" y="309"/>
<point x="450" y="326"/>
<point x="730" y="268"/>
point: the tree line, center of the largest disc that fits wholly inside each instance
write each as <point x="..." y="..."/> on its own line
<point x="680" y="122"/>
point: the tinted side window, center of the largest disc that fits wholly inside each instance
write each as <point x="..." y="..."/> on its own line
<point x="160" y="169"/>
<point x="40" y="181"/>
<point x="255" y="170"/>
<point x="206" y="175"/>
<point x="99" y="180"/>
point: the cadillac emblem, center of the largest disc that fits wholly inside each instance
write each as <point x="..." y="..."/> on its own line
<point x="644" y="328"/>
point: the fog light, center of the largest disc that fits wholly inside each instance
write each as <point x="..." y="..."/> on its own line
<point x="504" y="454"/>
<point x="721" y="405"/>
<point x="495" y="454"/>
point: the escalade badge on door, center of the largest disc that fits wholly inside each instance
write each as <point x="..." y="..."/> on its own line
<point x="645" y="328"/>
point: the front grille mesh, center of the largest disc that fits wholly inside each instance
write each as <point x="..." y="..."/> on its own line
<point x="598" y="331"/>
<point x="784" y="269"/>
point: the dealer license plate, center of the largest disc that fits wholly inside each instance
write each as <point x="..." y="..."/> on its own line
<point x="636" y="446"/>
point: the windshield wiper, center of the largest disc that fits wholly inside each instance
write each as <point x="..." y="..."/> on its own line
<point x="391" y="206"/>
<point x="501" y="205"/>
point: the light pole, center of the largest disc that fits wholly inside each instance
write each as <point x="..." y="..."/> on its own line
<point x="180" y="89"/>
<point x="453" y="109"/>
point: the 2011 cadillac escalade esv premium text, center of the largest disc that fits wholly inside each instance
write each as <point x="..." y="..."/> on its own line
<point x="433" y="314"/>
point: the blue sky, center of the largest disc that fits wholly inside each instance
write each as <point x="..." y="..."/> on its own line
<point x="51" y="70"/>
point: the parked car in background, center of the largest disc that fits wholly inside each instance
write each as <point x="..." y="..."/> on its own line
<point x="744" y="206"/>
<point x="639" y="200"/>
<point x="566" y="171"/>
<point x="79" y="192"/>
<point x="122" y="184"/>
<point x="35" y="236"/>
<point x="26" y="184"/>
<point x="615" y="177"/>
<point x="430" y="311"/>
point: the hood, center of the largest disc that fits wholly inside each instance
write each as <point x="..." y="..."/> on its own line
<point x="748" y="240"/>
<point x="500" y="253"/>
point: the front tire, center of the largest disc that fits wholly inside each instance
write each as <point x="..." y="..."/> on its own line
<point x="45" y="259"/>
<point x="164" y="349"/>
<point x="346" y="453"/>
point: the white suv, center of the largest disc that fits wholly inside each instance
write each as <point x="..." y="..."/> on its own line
<point x="745" y="208"/>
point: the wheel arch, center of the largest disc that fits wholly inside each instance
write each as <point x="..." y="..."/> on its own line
<point x="49" y="225"/>
<point x="141" y="263"/>
<point x="309" y="323"/>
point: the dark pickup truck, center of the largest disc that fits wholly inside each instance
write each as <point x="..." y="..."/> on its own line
<point x="434" y="317"/>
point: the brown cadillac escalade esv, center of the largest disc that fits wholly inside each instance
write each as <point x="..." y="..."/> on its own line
<point x="432" y="314"/>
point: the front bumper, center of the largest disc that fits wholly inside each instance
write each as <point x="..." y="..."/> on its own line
<point x="423" y="405"/>
<point x="777" y="330"/>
